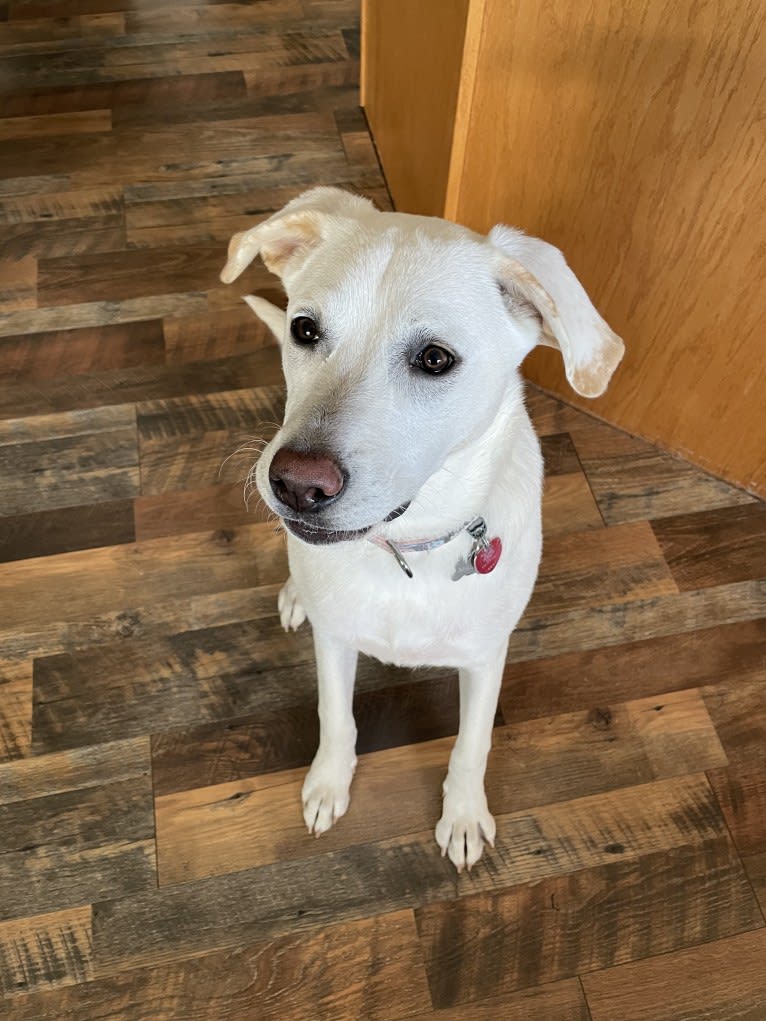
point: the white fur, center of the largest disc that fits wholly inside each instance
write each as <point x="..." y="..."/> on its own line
<point x="456" y="446"/>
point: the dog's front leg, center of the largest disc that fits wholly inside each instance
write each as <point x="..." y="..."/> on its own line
<point x="326" y="788"/>
<point x="466" y="822"/>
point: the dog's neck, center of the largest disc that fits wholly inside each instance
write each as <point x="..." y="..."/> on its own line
<point x="468" y="483"/>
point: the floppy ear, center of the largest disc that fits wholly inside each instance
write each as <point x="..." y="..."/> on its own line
<point x="285" y="239"/>
<point x="536" y="273"/>
<point x="273" y="316"/>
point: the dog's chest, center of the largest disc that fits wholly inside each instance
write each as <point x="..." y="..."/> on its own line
<point x="429" y="620"/>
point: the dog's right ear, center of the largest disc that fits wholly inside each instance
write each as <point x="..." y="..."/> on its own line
<point x="286" y="238"/>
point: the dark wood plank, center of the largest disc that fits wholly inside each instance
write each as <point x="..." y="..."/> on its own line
<point x="634" y="481"/>
<point x="289" y="896"/>
<point x="584" y="922"/>
<point x="583" y="680"/>
<point x="714" y="547"/>
<point x="54" y="461"/>
<point x="195" y="442"/>
<point x="59" y="353"/>
<point x="719" y="981"/>
<point x="407" y="714"/>
<point x="91" y="839"/>
<point x="40" y="534"/>
<point x="201" y="832"/>
<point x="202" y="337"/>
<point x="127" y="274"/>
<point x="369" y="969"/>
<point x="143" y="383"/>
<point x="126" y="99"/>
<point x="124" y="689"/>
<point x="539" y="635"/>
<point x="559" y="455"/>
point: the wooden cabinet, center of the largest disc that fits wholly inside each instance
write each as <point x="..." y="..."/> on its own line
<point x="631" y="136"/>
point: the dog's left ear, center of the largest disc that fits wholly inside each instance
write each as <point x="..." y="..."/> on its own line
<point x="286" y="238"/>
<point x="535" y="273"/>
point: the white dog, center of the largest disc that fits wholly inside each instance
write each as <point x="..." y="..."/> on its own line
<point x="406" y="471"/>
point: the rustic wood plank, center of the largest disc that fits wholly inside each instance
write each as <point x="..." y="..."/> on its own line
<point x="133" y="688"/>
<point x="559" y="455"/>
<point x="718" y="981"/>
<point x="198" y="510"/>
<point x="598" y="567"/>
<point x="634" y="481"/>
<point x="201" y="441"/>
<point x="54" y="461"/>
<point x="554" y="1001"/>
<point x="15" y="708"/>
<point x="738" y="709"/>
<point x="18" y="284"/>
<point x="82" y="843"/>
<point x="371" y="968"/>
<point x="716" y="546"/>
<point x="540" y="635"/>
<point x="579" y="680"/>
<point x="579" y="923"/>
<point x="42" y="533"/>
<point x="127" y="98"/>
<point x="45" y="952"/>
<point x="568" y="505"/>
<point x="142" y="383"/>
<point x="102" y="313"/>
<point x="75" y="587"/>
<point x="200" y="832"/>
<point x="63" y="124"/>
<point x="741" y="793"/>
<point x="386" y="717"/>
<point x="200" y="338"/>
<point x="289" y="896"/>
<point x="57" y="353"/>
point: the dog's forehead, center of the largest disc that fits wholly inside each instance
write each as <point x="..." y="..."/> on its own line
<point x="403" y="264"/>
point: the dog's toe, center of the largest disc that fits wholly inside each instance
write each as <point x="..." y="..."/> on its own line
<point x="465" y="826"/>
<point x="326" y="794"/>
<point x="291" y="612"/>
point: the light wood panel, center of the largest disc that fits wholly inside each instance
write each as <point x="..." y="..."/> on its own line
<point x="630" y="138"/>
<point x="410" y="81"/>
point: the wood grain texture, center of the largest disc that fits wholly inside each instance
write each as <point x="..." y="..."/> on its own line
<point x="411" y="102"/>
<point x="45" y="951"/>
<point x="370" y="968"/>
<point x="648" y="186"/>
<point x="725" y="656"/>
<point x="714" y="547"/>
<point x="552" y="929"/>
<point x="152" y="710"/>
<point x="724" y="979"/>
<point x="82" y="843"/>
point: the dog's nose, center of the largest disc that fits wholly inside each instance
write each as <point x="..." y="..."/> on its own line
<point x="305" y="482"/>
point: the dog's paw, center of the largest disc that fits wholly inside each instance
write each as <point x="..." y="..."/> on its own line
<point x="466" y="825"/>
<point x="291" y="613"/>
<point x="326" y="791"/>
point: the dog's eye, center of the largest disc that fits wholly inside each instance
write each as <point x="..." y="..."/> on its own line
<point x="434" y="359"/>
<point x="304" y="330"/>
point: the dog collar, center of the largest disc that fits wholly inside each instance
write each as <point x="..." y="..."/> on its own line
<point x="482" y="557"/>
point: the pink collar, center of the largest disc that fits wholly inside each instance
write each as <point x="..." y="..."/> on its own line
<point x="482" y="557"/>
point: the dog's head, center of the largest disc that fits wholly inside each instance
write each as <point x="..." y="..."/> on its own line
<point x="401" y="338"/>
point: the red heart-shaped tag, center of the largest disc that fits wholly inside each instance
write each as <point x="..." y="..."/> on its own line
<point x="486" y="559"/>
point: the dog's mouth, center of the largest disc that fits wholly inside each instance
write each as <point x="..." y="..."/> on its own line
<point x="316" y="536"/>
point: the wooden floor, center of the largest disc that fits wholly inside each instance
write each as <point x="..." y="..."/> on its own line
<point x="155" y="722"/>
